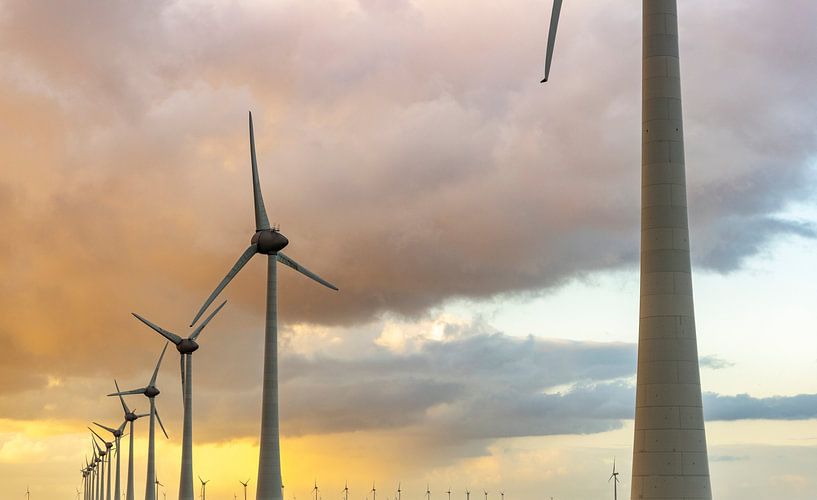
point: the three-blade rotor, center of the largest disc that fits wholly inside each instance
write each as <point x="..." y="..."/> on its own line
<point x="262" y="226"/>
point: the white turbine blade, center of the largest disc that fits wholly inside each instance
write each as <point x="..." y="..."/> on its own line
<point x="158" y="329"/>
<point x="143" y="415"/>
<point x="129" y="393"/>
<point x="554" y="24"/>
<point x="283" y="259"/>
<point x="121" y="399"/>
<point x="122" y="427"/>
<point x="159" y="419"/>
<point x="261" y="220"/>
<point x="199" y="328"/>
<point x="112" y="431"/>
<point x="158" y="363"/>
<point x="242" y="261"/>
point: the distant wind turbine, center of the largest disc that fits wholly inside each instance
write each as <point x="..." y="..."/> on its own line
<point x="315" y="489"/>
<point x="117" y="435"/>
<point x="267" y="241"/>
<point x="186" y="347"/>
<point x="449" y="493"/>
<point x="399" y="491"/>
<point x="150" y="391"/>
<point x="157" y="487"/>
<point x="374" y="492"/>
<point x="101" y="483"/>
<point x="130" y="418"/>
<point x="108" y="451"/>
<point x="346" y="490"/>
<point x="467" y="495"/>
<point x="203" y="488"/>
<point x="244" y="484"/>
<point x="428" y="492"/>
<point x="614" y="477"/>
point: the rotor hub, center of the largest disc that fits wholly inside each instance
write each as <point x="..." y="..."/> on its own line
<point x="269" y="241"/>
<point x="130" y="417"/>
<point x="187" y="346"/>
<point x="151" y="391"/>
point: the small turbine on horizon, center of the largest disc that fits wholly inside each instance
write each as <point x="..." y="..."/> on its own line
<point x="614" y="476"/>
<point x="203" y="488"/>
<point x="244" y="484"/>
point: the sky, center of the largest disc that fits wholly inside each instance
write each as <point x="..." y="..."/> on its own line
<point x="482" y="228"/>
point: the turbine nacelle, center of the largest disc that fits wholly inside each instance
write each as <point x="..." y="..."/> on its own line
<point x="151" y="391"/>
<point x="269" y="241"/>
<point x="187" y="346"/>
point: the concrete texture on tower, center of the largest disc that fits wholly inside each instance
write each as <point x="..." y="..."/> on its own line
<point x="669" y="453"/>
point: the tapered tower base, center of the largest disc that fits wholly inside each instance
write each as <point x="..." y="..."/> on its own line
<point x="669" y="453"/>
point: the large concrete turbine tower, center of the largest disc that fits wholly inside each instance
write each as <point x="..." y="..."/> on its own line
<point x="186" y="347"/>
<point x="669" y="453"/>
<point x="266" y="241"/>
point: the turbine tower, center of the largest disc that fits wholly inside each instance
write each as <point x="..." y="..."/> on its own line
<point x="150" y="392"/>
<point x="614" y="477"/>
<point x="108" y="451"/>
<point x="669" y="447"/>
<point x="266" y="241"/>
<point x="244" y="484"/>
<point x="203" y="488"/>
<point x="186" y="347"/>
<point x="117" y="435"/>
<point x="130" y="418"/>
<point x="101" y="479"/>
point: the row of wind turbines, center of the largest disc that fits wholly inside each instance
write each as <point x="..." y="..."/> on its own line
<point x="267" y="240"/>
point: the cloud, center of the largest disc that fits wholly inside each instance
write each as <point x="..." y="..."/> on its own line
<point x="410" y="155"/>
<point x="744" y="406"/>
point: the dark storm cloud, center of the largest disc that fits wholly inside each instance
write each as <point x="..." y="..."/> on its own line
<point x="406" y="149"/>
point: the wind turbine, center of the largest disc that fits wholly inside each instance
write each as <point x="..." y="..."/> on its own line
<point x="449" y="493"/>
<point x="28" y="493"/>
<point x="486" y="494"/>
<point x="315" y="489"/>
<point x="203" y="488"/>
<point x="101" y="483"/>
<point x="668" y="378"/>
<point x="186" y="347"/>
<point x="150" y="391"/>
<point x="267" y="241"/>
<point x="244" y="484"/>
<point x="108" y="448"/>
<point x="502" y="494"/>
<point x="467" y="495"/>
<point x="374" y="492"/>
<point x="117" y="435"/>
<point x="428" y="492"/>
<point x="346" y="490"/>
<point x="157" y="487"/>
<point x="614" y="476"/>
<point x="399" y="491"/>
<point x="130" y="418"/>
